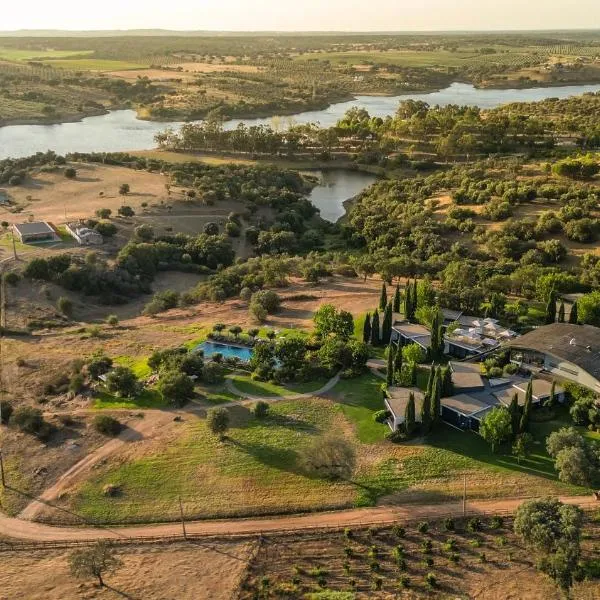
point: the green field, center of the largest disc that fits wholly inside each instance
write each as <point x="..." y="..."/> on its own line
<point x="25" y="55"/>
<point x="245" y="384"/>
<point x="149" y="398"/>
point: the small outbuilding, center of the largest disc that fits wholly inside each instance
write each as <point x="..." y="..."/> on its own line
<point x="396" y="402"/>
<point x="84" y="235"/>
<point x="38" y="231"/>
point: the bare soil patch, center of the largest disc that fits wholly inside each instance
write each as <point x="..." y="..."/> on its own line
<point x="152" y="74"/>
<point x="184" y="571"/>
<point x="200" y="67"/>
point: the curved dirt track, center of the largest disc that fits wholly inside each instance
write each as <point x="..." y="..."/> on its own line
<point x="27" y="530"/>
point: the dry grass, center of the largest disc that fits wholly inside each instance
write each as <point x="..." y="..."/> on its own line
<point x="183" y="571"/>
<point x="200" y="67"/>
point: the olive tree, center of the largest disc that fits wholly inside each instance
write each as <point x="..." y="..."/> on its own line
<point x="94" y="561"/>
<point x="496" y="426"/>
<point x="217" y="420"/>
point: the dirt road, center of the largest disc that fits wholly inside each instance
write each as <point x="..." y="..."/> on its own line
<point x="27" y="530"/>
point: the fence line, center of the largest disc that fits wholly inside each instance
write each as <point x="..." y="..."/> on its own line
<point x="17" y="545"/>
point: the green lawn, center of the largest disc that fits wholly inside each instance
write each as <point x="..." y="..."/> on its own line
<point x="255" y="471"/>
<point x="24" y="55"/>
<point x="95" y="64"/>
<point x="359" y="398"/>
<point x="216" y="394"/>
<point x="149" y="398"/>
<point x="245" y="384"/>
<point x="138" y="364"/>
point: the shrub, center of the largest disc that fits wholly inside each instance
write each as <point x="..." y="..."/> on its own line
<point x="261" y="409"/>
<point x="112" y="320"/>
<point x="348" y="533"/>
<point x="103" y="213"/>
<point x="65" y="305"/>
<point x="474" y="524"/>
<point x="29" y="419"/>
<point x="496" y="522"/>
<point x="6" y="410"/>
<point x="431" y="580"/>
<point x="126" y="211"/>
<point x="76" y="383"/>
<point x="404" y="581"/>
<point x="70" y="173"/>
<point x="423" y="527"/>
<point x="176" y="387"/>
<point x="381" y="416"/>
<point x="426" y="547"/>
<point x="122" y="381"/>
<point x="398" y="531"/>
<point x="105" y="228"/>
<point x="11" y="278"/>
<point x="107" y="425"/>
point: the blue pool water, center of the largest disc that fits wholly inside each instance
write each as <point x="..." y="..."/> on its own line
<point x="210" y="348"/>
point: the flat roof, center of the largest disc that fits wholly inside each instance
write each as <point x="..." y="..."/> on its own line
<point x="34" y="228"/>
<point x="505" y="396"/>
<point x="398" y="399"/>
<point x="577" y="344"/>
<point x="466" y="375"/>
<point x="464" y="404"/>
<point x="540" y="388"/>
<point x="411" y="329"/>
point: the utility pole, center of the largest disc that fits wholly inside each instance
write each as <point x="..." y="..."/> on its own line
<point x="465" y="495"/>
<point x="2" y="470"/>
<point x="182" y="519"/>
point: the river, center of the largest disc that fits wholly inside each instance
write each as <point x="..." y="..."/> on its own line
<point x="120" y="130"/>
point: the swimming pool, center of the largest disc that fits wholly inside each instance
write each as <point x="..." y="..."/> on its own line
<point x="227" y="350"/>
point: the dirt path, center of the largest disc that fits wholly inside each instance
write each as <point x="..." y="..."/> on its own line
<point x="144" y="428"/>
<point x="27" y="530"/>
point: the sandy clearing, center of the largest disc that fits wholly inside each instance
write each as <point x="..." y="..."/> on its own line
<point x="152" y="74"/>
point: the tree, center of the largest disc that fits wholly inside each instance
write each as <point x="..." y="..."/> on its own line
<point x="415" y="299"/>
<point x="103" y="213"/>
<point x="386" y="329"/>
<point x="397" y="299"/>
<point x="235" y="330"/>
<point x="436" y="397"/>
<point x="551" y="308"/>
<point x="367" y="329"/>
<point x="107" y="425"/>
<point x="177" y="388"/>
<point x="526" y="414"/>
<point x="383" y="297"/>
<point x="408" y="309"/>
<point x="122" y="381"/>
<point x="553" y="530"/>
<point x="496" y="426"/>
<point x="515" y="415"/>
<point x="291" y="352"/>
<point x="144" y="232"/>
<point x="447" y="385"/>
<point x="330" y="321"/>
<point x="409" y="414"/>
<point x="375" y="329"/>
<point x="426" y="414"/>
<point x="565" y="437"/>
<point x="574" y="466"/>
<point x="124" y="189"/>
<point x="413" y="353"/>
<point x="588" y="309"/>
<point x="6" y="410"/>
<point x="561" y="312"/>
<point x="522" y="446"/>
<point x="94" y="561"/>
<point x="390" y="365"/>
<point x="70" y="173"/>
<point x="217" y="420"/>
<point x="99" y="365"/>
<point x="437" y="335"/>
<point x="126" y="211"/>
<point x="573" y="316"/>
<point x="211" y="229"/>
<point x="398" y="364"/>
<point x="551" y="402"/>
<point x="329" y="457"/>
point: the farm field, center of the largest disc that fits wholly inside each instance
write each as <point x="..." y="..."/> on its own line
<point x="26" y="55"/>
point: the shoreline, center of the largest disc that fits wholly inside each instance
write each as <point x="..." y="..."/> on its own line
<point x="290" y="111"/>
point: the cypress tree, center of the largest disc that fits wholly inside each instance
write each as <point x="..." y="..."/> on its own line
<point x="413" y="373"/>
<point x="367" y="329"/>
<point x="561" y="312"/>
<point x="409" y="414"/>
<point x="573" y="316"/>
<point x="430" y="381"/>
<point x="407" y="300"/>
<point x="515" y="415"/>
<point x="396" y="300"/>
<point x="551" y="308"/>
<point x="437" y="336"/>
<point x="398" y="363"/>
<point x="375" y="331"/>
<point x="436" y="396"/>
<point x="551" y="402"/>
<point x="383" y="298"/>
<point x="447" y="385"/>
<point x="386" y="329"/>
<point x="390" y="366"/>
<point x="415" y="300"/>
<point x="527" y="407"/>
<point x="426" y="414"/>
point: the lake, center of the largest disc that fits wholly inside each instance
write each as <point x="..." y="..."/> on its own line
<point x="120" y="130"/>
<point x="335" y="187"/>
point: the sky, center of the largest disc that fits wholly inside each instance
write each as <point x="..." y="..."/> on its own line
<point x="302" y="15"/>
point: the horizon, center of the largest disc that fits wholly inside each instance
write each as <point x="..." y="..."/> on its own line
<point x="310" y="16"/>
